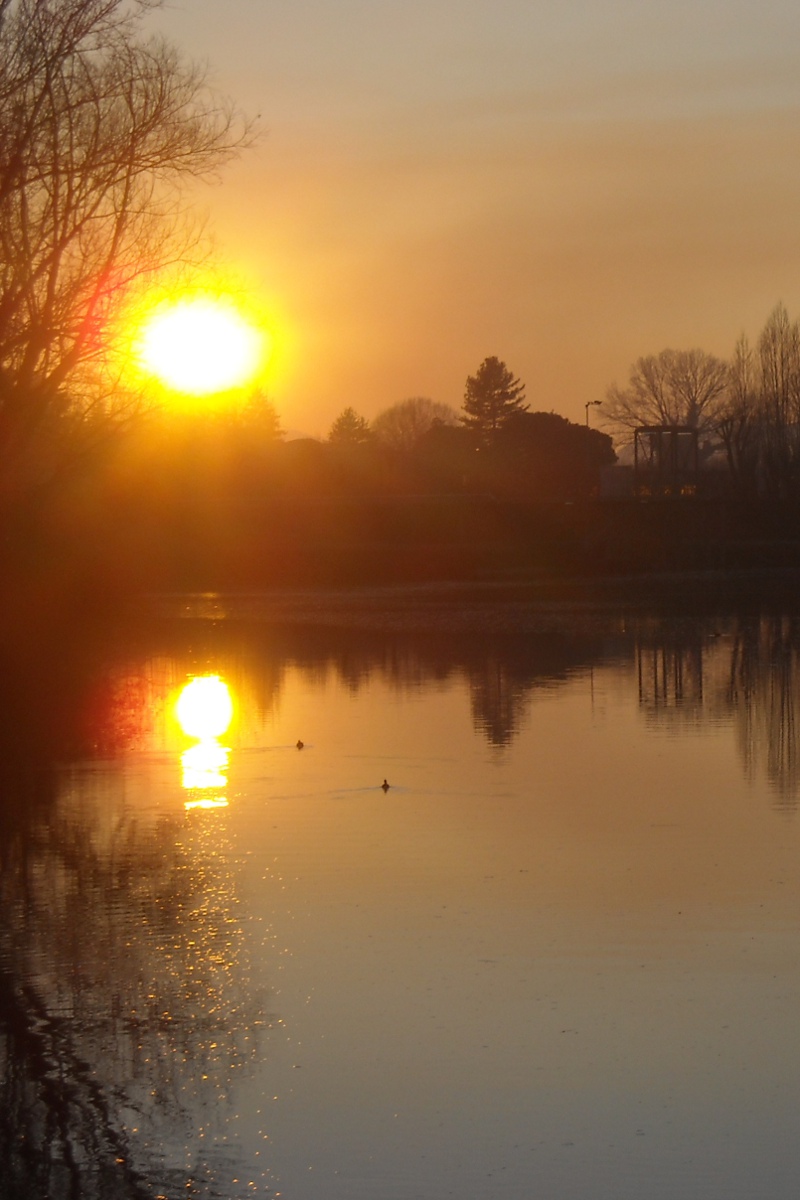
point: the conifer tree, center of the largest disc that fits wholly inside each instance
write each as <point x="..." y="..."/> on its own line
<point x="350" y="429"/>
<point x="491" y="396"/>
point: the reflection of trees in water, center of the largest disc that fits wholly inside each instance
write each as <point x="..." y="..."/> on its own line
<point x="743" y="669"/>
<point x="762" y="692"/>
<point x="502" y="671"/>
<point x="689" y="669"/>
<point x="509" y="672"/>
<point x="670" y="665"/>
<point x="498" y="701"/>
<point x="126" y="1007"/>
<point x="504" y="660"/>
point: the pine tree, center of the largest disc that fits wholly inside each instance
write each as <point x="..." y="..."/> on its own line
<point x="350" y="429"/>
<point x="492" y="395"/>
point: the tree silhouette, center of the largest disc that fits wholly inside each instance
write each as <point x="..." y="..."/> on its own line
<point x="492" y="395"/>
<point x="779" y="403"/>
<point x="350" y="429"/>
<point x="403" y="424"/>
<point x="257" y="417"/>
<point x="675" y="387"/>
<point x="100" y="126"/>
<point x="738" y="422"/>
<point x="539" y="454"/>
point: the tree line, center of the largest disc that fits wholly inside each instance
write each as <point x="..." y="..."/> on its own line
<point x="492" y="397"/>
<point x="494" y="444"/>
<point x="493" y="447"/>
<point x="102" y="128"/>
<point x="748" y="406"/>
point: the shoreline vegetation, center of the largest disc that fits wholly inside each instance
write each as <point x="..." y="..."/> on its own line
<point x="65" y="571"/>
<point x="326" y="604"/>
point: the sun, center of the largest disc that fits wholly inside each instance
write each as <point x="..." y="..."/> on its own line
<point x="201" y="345"/>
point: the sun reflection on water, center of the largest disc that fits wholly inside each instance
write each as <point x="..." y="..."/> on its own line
<point x="204" y="707"/>
<point x="204" y="710"/>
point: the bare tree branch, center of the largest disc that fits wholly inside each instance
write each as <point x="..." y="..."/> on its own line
<point x="675" y="387"/>
<point x="403" y="424"/>
<point x="101" y="128"/>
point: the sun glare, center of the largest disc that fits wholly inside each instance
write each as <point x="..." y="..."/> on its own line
<point x="204" y="708"/>
<point x="201" y="345"/>
<point x="205" y="765"/>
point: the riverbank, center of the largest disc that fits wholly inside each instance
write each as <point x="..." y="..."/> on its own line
<point x="430" y="560"/>
<point x="485" y="605"/>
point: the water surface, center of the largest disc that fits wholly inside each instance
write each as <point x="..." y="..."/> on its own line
<point x="558" y="956"/>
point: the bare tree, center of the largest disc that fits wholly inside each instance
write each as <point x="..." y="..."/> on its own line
<point x="100" y="127"/>
<point x="779" y="360"/>
<point x="779" y="403"/>
<point x="738" y="421"/>
<point x="403" y="424"/>
<point x="675" y="387"/>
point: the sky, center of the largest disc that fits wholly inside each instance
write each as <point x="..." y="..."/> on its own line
<point x="565" y="184"/>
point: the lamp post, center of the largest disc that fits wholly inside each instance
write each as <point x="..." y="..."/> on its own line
<point x="590" y="404"/>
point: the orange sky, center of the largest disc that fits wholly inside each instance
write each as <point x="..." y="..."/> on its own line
<point x="566" y="186"/>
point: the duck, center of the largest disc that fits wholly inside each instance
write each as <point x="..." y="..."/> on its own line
<point x="299" y="744"/>
<point x="385" y="785"/>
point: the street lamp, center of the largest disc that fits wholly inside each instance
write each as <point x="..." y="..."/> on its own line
<point x="590" y="404"/>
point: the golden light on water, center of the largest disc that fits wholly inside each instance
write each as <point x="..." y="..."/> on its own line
<point x="204" y="710"/>
<point x="200" y="345"/>
<point x="204" y="707"/>
<point x="205" y="765"/>
<point x="207" y="802"/>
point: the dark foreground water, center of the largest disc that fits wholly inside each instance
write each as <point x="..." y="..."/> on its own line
<point x="558" y="957"/>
